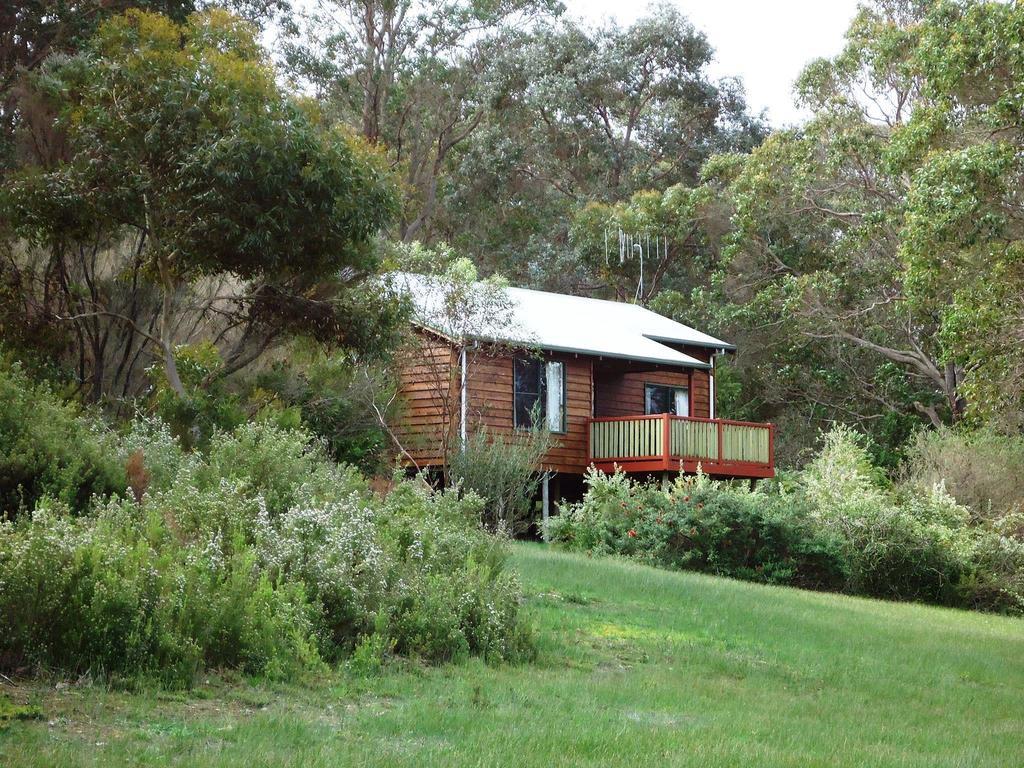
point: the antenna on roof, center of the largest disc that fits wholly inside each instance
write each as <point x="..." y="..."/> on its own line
<point x="637" y="244"/>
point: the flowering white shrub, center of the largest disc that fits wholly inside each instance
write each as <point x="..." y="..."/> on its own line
<point x="162" y="455"/>
<point x="332" y="548"/>
<point x="841" y="479"/>
<point x="263" y="556"/>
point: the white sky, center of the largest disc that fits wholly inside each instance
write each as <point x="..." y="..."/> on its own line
<point x="765" y="43"/>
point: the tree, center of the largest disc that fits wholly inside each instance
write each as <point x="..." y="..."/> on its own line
<point x="810" y="273"/>
<point x="860" y="262"/>
<point x="32" y="30"/>
<point x="410" y="76"/>
<point x="650" y="242"/>
<point x="246" y="214"/>
<point x="586" y="115"/>
<point x="963" y="237"/>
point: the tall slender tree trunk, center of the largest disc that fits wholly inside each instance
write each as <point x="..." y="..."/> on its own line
<point x="166" y="326"/>
<point x="167" y="291"/>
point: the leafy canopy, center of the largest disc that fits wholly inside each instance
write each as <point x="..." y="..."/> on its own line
<point x="871" y="268"/>
<point x="181" y="133"/>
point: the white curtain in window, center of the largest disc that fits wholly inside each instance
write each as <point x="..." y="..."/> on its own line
<point x="682" y="402"/>
<point x="555" y="396"/>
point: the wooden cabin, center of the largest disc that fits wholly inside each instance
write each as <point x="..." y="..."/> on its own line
<point x="617" y="384"/>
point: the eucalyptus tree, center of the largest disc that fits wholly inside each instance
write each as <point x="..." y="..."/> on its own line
<point x="963" y="237"/>
<point x="663" y="245"/>
<point x="410" y="76"/>
<point x="246" y="217"/>
<point x="811" y="279"/>
<point x="32" y="30"/>
<point x="872" y="262"/>
<point x="581" y="115"/>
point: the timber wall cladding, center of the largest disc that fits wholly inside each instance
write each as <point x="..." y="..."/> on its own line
<point x="489" y="386"/>
<point x="430" y="384"/>
<point x="622" y="394"/>
<point x="429" y="393"/>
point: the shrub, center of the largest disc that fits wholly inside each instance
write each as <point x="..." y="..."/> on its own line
<point x="336" y="397"/>
<point x="50" y="448"/>
<point x="161" y="454"/>
<point x="116" y="595"/>
<point x="904" y="549"/>
<point x="995" y="578"/>
<point x="841" y="478"/>
<point x="836" y="525"/>
<point x="333" y="549"/>
<point x="206" y="405"/>
<point x="754" y="536"/>
<point x="274" y="464"/>
<point x="705" y="526"/>
<point x="980" y="469"/>
<point x="264" y="557"/>
<point x="502" y="469"/>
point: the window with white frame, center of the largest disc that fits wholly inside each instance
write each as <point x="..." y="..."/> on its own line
<point x="662" y="398"/>
<point x="538" y="394"/>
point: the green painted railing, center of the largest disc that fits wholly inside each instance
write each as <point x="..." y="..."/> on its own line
<point x="640" y="437"/>
<point x="680" y="438"/>
<point x="698" y="439"/>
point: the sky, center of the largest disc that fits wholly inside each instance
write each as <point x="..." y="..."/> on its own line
<point x="765" y="43"/>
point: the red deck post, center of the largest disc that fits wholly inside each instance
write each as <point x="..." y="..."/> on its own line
<point x="590" y="428"/>
<point x="721" y="442"/>
<point x="666" y="448"/>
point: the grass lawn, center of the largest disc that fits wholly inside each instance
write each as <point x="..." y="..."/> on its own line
<point x="638" y="667"/>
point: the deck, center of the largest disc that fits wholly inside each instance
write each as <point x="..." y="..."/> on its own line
<point x="665" y="443"/>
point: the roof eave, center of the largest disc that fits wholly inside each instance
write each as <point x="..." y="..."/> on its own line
<point x="716" y="344"/>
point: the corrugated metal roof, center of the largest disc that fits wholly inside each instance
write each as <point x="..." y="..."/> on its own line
<point x="563" y="323"/>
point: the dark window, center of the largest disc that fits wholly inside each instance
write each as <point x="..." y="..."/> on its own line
<point x="538" y="393"/>
<point x="528" y="390"/>
<point x="659" y="398"/>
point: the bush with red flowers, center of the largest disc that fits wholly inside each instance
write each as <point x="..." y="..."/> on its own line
<point x="835" y="525"/>
<point x="702" y="525"/>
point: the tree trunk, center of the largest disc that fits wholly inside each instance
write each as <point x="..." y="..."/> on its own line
<point x="167" y="288"/>
<point x="957" y="403"/>
<point x="167" y="291"/>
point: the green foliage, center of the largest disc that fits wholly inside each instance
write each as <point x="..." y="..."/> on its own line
<point x="50" y="448"/>
<point x="873" y="258"/>
<point x="703" y="526"/>
<point x="981" y="469"/>
<point x="336" y="397"/>
<point x="636" y="110"/>
<point x="52" y="27"/>
<point x="502" y="470"/>
<point x="205" y="405"/>
<point x="667" y="226"/>
<point x="265" y="557"/>
<point x="181" y="134"/>
<point x="838" y="526"/>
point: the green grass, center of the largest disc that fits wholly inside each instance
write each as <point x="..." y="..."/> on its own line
<point x="638" y="667"/>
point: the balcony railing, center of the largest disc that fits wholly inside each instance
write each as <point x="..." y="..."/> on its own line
<point x="670" y="443"/>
